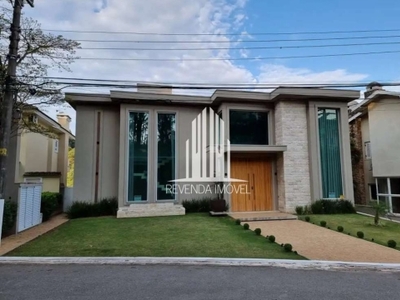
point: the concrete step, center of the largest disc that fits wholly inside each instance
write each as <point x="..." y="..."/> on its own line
<point x="262" y="216"/>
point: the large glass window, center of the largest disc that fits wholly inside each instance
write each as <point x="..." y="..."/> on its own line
<point x="389" y="193"/>
<point x="165" y="154"/>
<point x="329" y="142"/>
<point x="248" y="127"/>
<point x="138" y="156"/>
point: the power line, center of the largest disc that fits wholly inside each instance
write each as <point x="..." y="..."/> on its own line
<point x="242" y="48"/>
<point x="382" y="82"/>
<point x="237" y="58"/>
<point x="220" y="34"/>
<point x="244" y="41"/>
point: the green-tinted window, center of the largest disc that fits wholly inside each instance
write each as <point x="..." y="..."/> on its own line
<point x="329" y="141"/>
<point x="166" y="154"/>
<point x="138" y="156"/>
<point x="248" y="127"/>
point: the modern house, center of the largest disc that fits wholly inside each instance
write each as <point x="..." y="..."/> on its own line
<point x="289" y="147"/>
<point x="375" y="131"/>
<point x="38" y="151"/>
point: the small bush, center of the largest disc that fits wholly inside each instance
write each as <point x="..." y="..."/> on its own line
<point x="246" y="226"/>
<point x="360" y="234"/>
<point x="349" y="233"/>
<point x="308" y="219"/>
<point x="237" y="222"/>
<point x="49" y="203"/>
<point x="372" y="240"/>
<point x="257" y="231"/>
<point x="288" y="247"/>
<point x="9" y="215"/>
<point x="323" y="223"/>
<point x="271" y="238"/>
<point x="106" y="207"/>
<point x="392" y="244"/>
<point x="340" y="228"/>
<point x="299" y="210"/>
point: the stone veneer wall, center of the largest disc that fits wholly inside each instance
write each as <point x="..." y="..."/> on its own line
<point x="293" y="165"/>
<point x="357" y="161"/>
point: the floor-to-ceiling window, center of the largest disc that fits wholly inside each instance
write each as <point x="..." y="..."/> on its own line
<point x="138" y="138"/>
<point x="389" y="193"/>
<point x="330" y="154"/>
<point x="166" y="154"/>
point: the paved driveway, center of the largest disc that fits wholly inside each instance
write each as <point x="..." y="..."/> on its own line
<point x="319" y="243"/>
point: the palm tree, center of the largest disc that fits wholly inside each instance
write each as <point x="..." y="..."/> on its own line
<point x="380" y="209"/>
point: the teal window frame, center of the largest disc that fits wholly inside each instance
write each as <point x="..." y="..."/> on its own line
<point x="330" y="153"/>
<point x="175" y="159"/>
<point x="131" y="160"/>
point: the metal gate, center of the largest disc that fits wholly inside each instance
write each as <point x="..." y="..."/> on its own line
<point x="29" y="200"/>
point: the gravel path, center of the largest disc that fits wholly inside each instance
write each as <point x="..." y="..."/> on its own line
<point x="319" y="243"/>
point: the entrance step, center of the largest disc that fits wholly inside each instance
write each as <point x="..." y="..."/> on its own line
<point x="262" y="216"/>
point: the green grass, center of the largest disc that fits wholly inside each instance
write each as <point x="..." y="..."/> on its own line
<point x="193" y="235"/>
<point x="353" y="222"/>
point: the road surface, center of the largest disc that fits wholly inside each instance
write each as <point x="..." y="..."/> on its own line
<point x="191" y="283"/>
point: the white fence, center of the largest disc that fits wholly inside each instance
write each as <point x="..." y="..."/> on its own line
<point x="29" y="200"/>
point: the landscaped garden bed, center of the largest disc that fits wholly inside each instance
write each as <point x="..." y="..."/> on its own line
<point x="193" y="235"/>
<point x="359" y="226"/>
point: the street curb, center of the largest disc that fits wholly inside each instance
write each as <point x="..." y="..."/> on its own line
<point x="199" y="261"/>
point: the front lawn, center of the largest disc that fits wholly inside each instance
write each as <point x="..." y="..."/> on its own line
<point x="193" y="235"/>
<point x="353" y="223"/>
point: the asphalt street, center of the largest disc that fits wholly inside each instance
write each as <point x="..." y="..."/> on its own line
<point x="191" y="282"/>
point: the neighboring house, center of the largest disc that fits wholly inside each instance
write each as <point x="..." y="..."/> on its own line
<point x="375" y="130"/>
<point x="292" y="146"/>
<point x="38" y="151"/>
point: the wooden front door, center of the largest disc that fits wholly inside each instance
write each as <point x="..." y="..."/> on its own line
<point x="258" y="174"/>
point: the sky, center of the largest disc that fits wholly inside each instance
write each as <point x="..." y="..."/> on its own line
<point x="233" y="25"/>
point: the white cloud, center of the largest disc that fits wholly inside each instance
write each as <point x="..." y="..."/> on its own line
<point x="217" y="17"/>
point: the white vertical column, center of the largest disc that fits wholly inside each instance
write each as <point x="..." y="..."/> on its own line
<point x="222" y="148"/>
<point x="212" y="143"/>
<point x="204" y="143"/>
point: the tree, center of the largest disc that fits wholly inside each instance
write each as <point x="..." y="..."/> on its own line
<point x="71" y="167"/>
<point x="379" y="209"/>
<point x="39" y="52"/>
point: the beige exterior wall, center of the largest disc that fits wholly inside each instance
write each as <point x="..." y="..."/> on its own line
<point x="384" y="129"/>
<point x="85" y="158"/>
<point x="51" y="185"/>
<point x="292" y="165"/>
<point x="38" y="156"/>
<point x="368" y="174"/>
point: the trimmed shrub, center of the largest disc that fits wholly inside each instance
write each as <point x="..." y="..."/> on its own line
<point x="197" y="206"/>
<point x="330" y="207"/>
<point x="299" y="210"/>
<point x="106" y="207"/>
<point x="257" y="231"/>
<point x="271" y="238"/>
<point x="392" y="244"/>
<point x="323" y="223"/>
<point x="246" y="226"/>
<point x="372" y="240"/>
<point x="237" y="222"/>
<point x="9" y="215"/>
<point x="288" y="247"/>
<point x="308" y="219"/>
<point x="340" y="228"/>
<point x="360" y="234"/>
<point x="49" y="203"/>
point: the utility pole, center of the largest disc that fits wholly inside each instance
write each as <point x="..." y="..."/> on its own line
<point x="7" y="104"/>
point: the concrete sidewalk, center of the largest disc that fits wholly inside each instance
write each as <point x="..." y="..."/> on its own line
<point x="14" y="241"/>
<point x="317" y="243"/>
